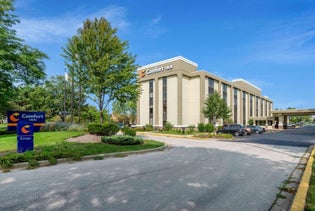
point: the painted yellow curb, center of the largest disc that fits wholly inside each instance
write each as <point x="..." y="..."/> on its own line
<point x="300" y="196"/>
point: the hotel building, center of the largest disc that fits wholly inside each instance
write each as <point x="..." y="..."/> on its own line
<point x="174" y="91"/>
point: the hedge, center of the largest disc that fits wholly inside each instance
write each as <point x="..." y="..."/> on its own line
<point x="122" y="140"/>
<point x="106" y="129"/>
<point x="128" y="131"/>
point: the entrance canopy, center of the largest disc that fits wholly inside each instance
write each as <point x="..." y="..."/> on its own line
<point x="293" y="112"/>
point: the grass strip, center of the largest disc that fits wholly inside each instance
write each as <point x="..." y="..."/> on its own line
<point x="9" y="142"/>
<point x="310" y="200"/>
<point x="73" y="151"/>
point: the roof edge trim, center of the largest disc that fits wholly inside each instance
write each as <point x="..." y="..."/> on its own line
<point x="243" y="80"/>
<point x="167" y="61"/>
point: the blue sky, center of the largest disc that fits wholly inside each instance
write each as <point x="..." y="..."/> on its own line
<point x="268" y="43"/>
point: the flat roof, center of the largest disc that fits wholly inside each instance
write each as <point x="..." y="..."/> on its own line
<point x="243" y="80"/>
<point x="168" y="61"/>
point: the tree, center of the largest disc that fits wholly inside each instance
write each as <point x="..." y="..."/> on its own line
<point x="19" y="63"/>
<point x="48" y="97"/>
<point x="78" y="74"/>
<point x="125" y="112"/>
<point x="297" y="119"/>
<point x="109" y="70"/>
<point x="215" y="108"/>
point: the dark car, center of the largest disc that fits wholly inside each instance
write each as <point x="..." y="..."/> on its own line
<point x="256" y="129"/>
<point x="236" y="130"/>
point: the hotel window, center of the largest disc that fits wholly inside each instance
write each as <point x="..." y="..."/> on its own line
<point x="224" y="96"/>
<point x="164" y="100"/>
<point x="210" y="86"/>
<point x="256" y="110"/>
<point x="244" y="108"/>
<point x="251" y="106"/>
<point x="151" y="102"/>
<point x="266" y="108"/>
<point x="262" y="107"/>
<point x="235" y="105"/>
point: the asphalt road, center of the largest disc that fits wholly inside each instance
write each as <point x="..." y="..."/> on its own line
<point x="192" y="175"/>
<point x="299" y="137"/>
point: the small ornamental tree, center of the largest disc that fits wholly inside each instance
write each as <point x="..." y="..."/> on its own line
<point x="215" y="108"/>
<point x="251" y="122"/>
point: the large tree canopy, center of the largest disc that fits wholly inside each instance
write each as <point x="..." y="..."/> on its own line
<point x="19" y="63"/>
<point x="97" y="55"/>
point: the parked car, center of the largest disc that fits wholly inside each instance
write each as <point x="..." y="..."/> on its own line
<point x="234" y="129"/>
<point x="249" y="130"/>
<point x="256" y="129"/>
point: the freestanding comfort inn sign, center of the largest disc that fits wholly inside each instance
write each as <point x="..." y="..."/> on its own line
<point x="36" y="118"/>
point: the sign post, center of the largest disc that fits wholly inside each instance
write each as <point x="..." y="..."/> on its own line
<point x="25" y="136"/>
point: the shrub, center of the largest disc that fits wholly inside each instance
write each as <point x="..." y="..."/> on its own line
<point x="149" y="127"/>
<point x="52" y="161"/>
<point x="201" y="127"/>
<point x="76" y="127"/>
<point x="122" y="140"/>
<point x="61" y="126"/>
<point x="251" y="122"/>
<point x="99" y="157"/>
<point x="6" y="162"/>
<point x="32" y="164"/>
<point x="96" y="129"/>
<point x="168" y="126"/>
<point x="106" y="129"/>
<point x="209" y="128"/>
<point x="128" y="131"/>
<point x="7" y="132"/>
<point x="191" y="129"/>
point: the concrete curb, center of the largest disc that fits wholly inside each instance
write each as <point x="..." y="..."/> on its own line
<point x="45" y="163"/>
<point x="301" y="194"/>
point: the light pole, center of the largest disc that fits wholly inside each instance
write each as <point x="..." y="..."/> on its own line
<point x="65" y="95"/>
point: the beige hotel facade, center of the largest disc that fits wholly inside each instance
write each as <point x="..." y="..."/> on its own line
<point x="174" y="91"/>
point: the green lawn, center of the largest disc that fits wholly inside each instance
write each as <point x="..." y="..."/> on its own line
<point x="51" y="146"/>
<point x="3" y="127"/>
<point x="9" y="142"/>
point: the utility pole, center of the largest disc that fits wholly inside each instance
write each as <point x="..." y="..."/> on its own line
<point x="72" y="96"/>
<point x="65" y="95"/>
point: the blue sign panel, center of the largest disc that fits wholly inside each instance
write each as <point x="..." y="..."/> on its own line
<point x="37" y="118"/>
<point x="25" y="136"/>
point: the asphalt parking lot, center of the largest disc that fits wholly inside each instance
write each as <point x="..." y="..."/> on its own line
<point x="297" y="137"/>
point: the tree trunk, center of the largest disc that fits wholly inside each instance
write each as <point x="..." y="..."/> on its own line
<point x="100" y="108"/>
<point x="101" y="117"/>
<point x="80" y="102"/>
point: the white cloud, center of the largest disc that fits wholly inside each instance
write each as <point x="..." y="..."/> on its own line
<point x="55" y="29"/>
<point x="156" y="20"/>
<point x="289" y="42"/>
<point x="154" y="28"/>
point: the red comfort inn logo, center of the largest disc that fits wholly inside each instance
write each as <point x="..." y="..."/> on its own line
<point x="25" y="129"/>
<point x="14" y="117"/>
<point x="142" y="73"/>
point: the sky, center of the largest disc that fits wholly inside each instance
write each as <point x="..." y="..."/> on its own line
<point x="269" y="43"/>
